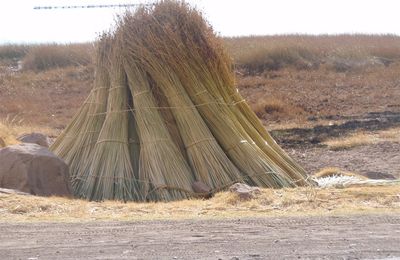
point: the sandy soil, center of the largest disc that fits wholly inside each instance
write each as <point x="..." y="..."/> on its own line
<point x="322" y="94"/>
<point x="382" y="159"/>
<point x="379" y="160"/>
<point x="350" y="237"/>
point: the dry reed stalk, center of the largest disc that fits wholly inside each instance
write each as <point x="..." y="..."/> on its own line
<point x="165" y="112"/>
<point x="220" y="70"/>
<point x="85" y="141"/>
<point x="213" y="68"/>
<point x="260" y="169"/>
<point x="263" y="139"/>
<point x="109" y="172"/>
<point x="222" y="90"/>
<point x="134" y="143"/>
<point x="208" y="161"/>
<point x="257" y="167"/>
<point x="222" y="85"/>
<point x="163" y="171"/>
<point x="169" y="119"/>
<point x="76" y="143"/>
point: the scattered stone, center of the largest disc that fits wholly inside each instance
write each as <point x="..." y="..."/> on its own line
<point x="200" y="187"/>
<point x="312" y="118"/>
<point x="33" y="169"/>
<point x="10" y="191"/>
<point x="35" y="138"/>
<point x="202" y="190"/>
<point x="244" y="191"/>
<point x="379" y="176"/>
<point x="2" y="143"/>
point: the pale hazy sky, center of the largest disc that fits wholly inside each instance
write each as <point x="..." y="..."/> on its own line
<point x="20" y="23"/>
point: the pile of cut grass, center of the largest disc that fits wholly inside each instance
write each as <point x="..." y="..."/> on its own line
<point x="269" y="203"/>
<point x="165" y="113"/>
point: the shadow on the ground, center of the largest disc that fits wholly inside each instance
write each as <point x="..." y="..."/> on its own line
<point x="300" y="137"/>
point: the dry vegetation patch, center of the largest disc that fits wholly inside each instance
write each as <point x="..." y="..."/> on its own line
<point x="48" y="98"/>
<point x="11" y="128"/>
<point x="341" y="70"/>
<point x="363" y="138"/>
<point x="269" y="108"/>
<point x="340" y="53"/>
<point x="13" y="51"/>
<point x="50" y="56"/>
<point x="282" y="202"/>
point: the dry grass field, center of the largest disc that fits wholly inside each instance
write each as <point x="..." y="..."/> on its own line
<point x="330" y="101"/>
<point x="338" y="90"/>
<point x="272" y="203"/>
<point x="287" y="80"/>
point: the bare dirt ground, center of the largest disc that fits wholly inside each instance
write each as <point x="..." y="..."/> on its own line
<point x="380" y="160"/>
<point x="374" y="161"/>
<point x="349" y="237"/>
<point x="303" y="108"/>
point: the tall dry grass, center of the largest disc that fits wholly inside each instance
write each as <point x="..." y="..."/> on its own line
<point x="256" y="54"/>
<point x="292" y="93"/>
<point x="12" y="127"/>
<point x="363" y="138"/>
<point x="49" y="56"/>
<point x="13" y="51"/>
<point x="252" y="54"/>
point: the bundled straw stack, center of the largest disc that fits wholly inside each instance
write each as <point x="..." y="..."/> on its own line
<point x="164" y="113"/>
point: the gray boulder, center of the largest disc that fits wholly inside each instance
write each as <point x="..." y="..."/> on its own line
<point x="201" y="189"/>
<point x="244" y="191"/>
<point x="35" y="138"/>
<point x="33" y="169"/>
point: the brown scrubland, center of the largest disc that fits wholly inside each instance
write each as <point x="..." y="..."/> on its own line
<point x="286" y="79"/>
<point x="324" y="98"/>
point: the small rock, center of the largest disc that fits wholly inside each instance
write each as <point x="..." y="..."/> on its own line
<point x="35" y="138"/>
<point x="244" y="191"/>
<point x="379" y="176"/>
<point x="200" y="187"/>
<point x="11" y="191"/>
<point x="312" y="118"/>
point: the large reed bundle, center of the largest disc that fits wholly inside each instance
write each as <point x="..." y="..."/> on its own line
<point x="204" y="154"/>
<point x="76" y="142"/>
<point x="162" y="39"/>
<point x="213" y="69"/>
<point x="164" y="112"/>
<point x="109" y="172"/>
<point x="161" y="165"/>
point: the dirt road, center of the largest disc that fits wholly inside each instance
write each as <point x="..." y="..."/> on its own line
<point x="267" y="238"/>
